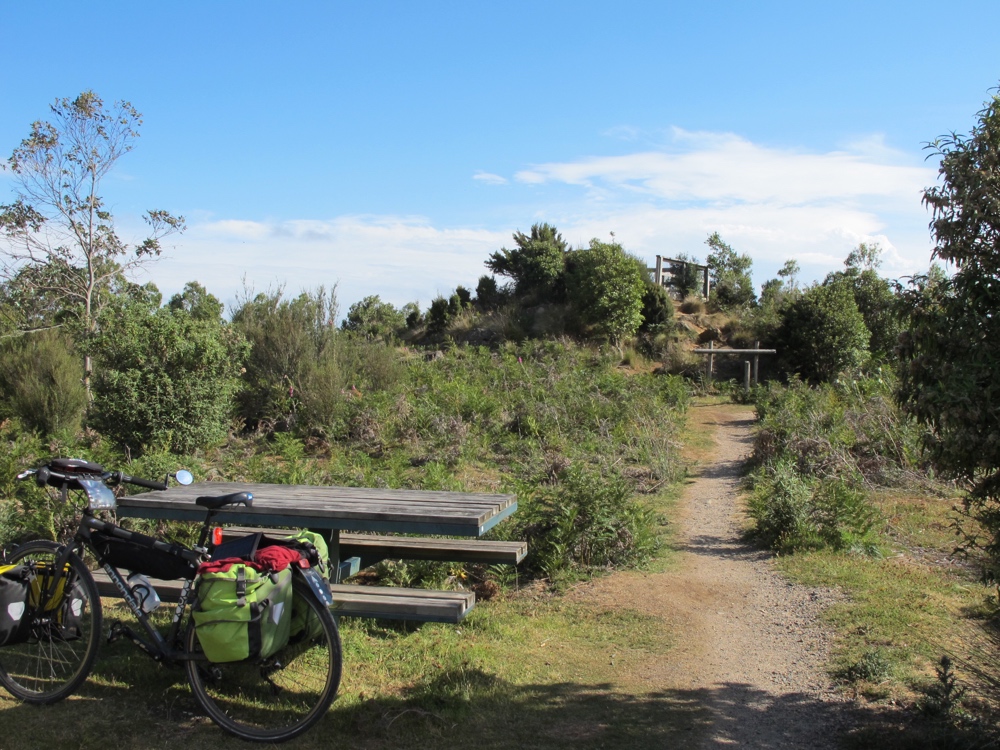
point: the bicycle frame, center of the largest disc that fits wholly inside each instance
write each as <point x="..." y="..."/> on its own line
<point x="159" y="646"/>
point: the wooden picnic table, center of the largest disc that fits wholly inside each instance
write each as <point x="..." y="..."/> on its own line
<point x="333" y="509"/>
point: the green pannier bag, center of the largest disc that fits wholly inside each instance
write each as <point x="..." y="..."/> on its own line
<point x="15" y="617"/>
<point x="319" y="557"/>
<point x="314" y="545"/>
<point x="242" y="613"/>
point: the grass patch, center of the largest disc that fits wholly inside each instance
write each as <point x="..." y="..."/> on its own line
<point x="532" y="670"/>
<point x="902" y="612"/>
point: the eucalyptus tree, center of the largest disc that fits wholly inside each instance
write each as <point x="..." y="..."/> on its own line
<point x="732" y="286"/>
<point x="950" y="356"/>
<point x="58" y="236"/>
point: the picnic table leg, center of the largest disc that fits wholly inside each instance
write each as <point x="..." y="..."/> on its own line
<point x="339" y="569"/>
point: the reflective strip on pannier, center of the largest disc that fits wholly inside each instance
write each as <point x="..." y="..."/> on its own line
<point x="242" y="613"/>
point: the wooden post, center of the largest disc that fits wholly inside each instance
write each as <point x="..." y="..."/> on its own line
<point x="756" y="361"/>
<point x="659" y="270"/>
<point x="746" y="375"/>
<point x="711" y="361"/>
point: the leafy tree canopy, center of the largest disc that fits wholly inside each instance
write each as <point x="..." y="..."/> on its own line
<point x="58" y="236"/>
<point x="606" y="288"/>
<point x="536" y="266"/>
<point x="875" y="298"/>
<point x="732" y="285"/>
<point x="197" y="302"/>
<point x="950" y="357"/>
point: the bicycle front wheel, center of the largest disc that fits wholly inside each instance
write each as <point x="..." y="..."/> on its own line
<point x="65" y="635"/>
<point x="280" y="697"/>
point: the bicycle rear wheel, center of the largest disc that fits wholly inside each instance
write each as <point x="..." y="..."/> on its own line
<point x="62" y="646"/>
<point x="280" y="697"/>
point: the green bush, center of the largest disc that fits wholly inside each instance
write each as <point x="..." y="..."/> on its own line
<point x="793" y="512"/>
<point x="288" y="339"/>
<point x="587" y="520"/>
<point x="348" y="371"/>
<point x="27" y="511"/>
<point x="439" y="315"/>
<point x="165" y="379"/>
<point x="606" y="289"/>
<point x="657" y="307"/>
<point x="41" y="382"/>
<point x="817" y="452"/>
<point x="373" y="319"/>
<point x="822" y="333"/>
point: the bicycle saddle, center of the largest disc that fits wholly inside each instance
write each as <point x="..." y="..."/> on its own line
<point x="76" y="466"/>
<point x="235" y="498"/>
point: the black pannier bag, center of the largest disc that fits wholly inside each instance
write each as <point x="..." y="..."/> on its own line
<point x="138" y="558"/>
<point x="15" y="617"/>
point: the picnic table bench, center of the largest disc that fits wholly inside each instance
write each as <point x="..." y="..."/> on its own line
<point x="330" y="510"/>
<point x="386" y="602"/>
<point x="373" y="548"/>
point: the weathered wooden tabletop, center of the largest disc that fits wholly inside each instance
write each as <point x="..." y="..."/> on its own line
<point x="351" y="508"/>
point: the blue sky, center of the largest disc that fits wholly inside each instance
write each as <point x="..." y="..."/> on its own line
<point x="389" y="147"/>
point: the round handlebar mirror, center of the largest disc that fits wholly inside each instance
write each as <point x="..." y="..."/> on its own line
<point x="184" y="477"/>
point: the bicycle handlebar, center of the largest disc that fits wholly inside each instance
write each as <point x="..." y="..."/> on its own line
<point x="147" y="483"/>
<point x="69" y="471"/>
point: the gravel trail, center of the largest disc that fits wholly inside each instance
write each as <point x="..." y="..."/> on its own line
<point x="749" y="645"/>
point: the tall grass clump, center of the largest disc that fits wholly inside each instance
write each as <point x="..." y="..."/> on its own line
<point x="41" y="382"/>
<point x="587" y="520"/>
<point x="818" y="454"/>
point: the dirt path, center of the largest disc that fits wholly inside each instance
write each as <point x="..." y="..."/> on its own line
<point x="749" y="646"/>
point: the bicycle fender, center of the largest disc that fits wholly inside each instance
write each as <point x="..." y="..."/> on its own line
<point x="318" y="585"/>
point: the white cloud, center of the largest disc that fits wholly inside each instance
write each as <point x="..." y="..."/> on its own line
<point x="726" y="168"/>
<point x="773" y="203"/>
<point x="399" y="258"/>
<point x="489" y="178"/>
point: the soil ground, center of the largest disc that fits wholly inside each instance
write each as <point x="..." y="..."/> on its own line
<point x="749" y="644"/>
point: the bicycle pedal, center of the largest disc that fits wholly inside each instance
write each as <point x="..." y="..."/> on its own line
<point x="116" y="631"/>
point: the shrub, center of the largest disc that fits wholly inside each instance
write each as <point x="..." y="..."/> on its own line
<point x="816" y="449"/>
<point x="166" y="379"/>
<point x="793" y="512"/>
<point x="488" y="294"/>
<point x="348" y="370"/>
<point x="589" y="519"/>
<point x="439" y="315"/>
<point x="822" y="333"/>
<point x="287" y="339"/>
<point x="606" y="288"/>
<point x="373" y="319"/>
<point x="657" y="307"/>
<point x="41" y="380"/>
<point x="27" y="511"/>
<point x="693" y="306"/>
